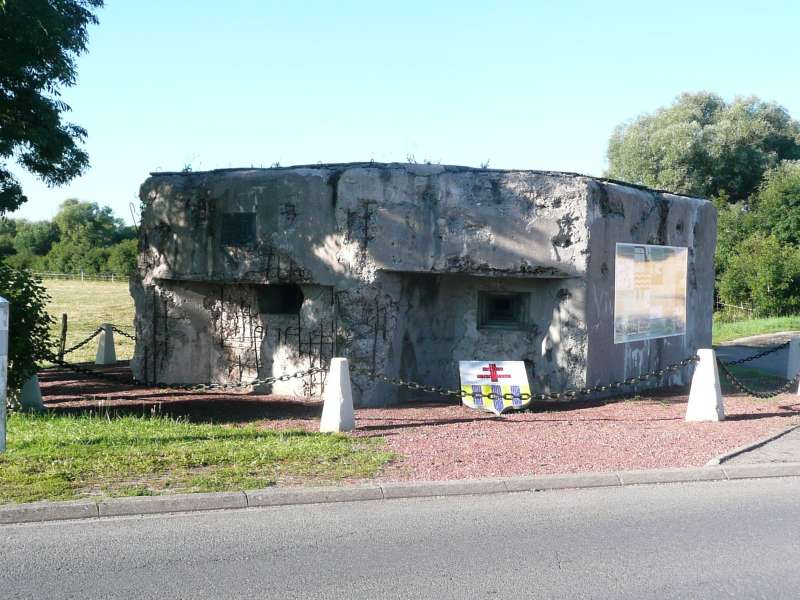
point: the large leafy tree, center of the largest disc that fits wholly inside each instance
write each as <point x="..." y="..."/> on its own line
<point x="758" y="247"/>
<point x="704" y="146"/>
<point x="776" y="206"/>
<point x="39" y="43"/>
<point x="88" y="223"/>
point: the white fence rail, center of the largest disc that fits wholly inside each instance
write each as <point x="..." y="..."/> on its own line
<point x="83" y="276"/>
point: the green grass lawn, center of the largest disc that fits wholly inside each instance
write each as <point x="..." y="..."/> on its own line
<point x="725" y="332"/>
<point x="58" y="457"/>
<point x="88" y="304"/>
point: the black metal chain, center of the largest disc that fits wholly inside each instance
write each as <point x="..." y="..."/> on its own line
<point x="743" y="387"/>
<point x="568" y="394"/>
<point x="759" y="355"/>
<point x="116" y="329"/>
<point x="189" y="387"/>
<point x="85" y="371"/>
<point x="433" y="389"/>
<point x="93" y="335"/>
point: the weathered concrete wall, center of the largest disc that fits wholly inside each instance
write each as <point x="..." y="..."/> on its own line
<point x="624" y="214"/>
<point x="390" y="260"/>
<point x="441" y="327"/>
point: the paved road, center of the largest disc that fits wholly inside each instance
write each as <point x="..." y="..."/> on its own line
<point x="704" y="540"/>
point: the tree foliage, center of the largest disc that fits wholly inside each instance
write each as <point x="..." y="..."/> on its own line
<point x="764" y="274"/>
<point x="776" y="206"/>
<point x="758" y="245"/>
<point x="122" y="257"/>
<point x="29" y="324"/>
<point x="39" y="43"/>
<point x="704" y="146"/>
<point x="82" y="237"/>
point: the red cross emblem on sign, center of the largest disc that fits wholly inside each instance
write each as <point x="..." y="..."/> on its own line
<point x="494" y="373"/>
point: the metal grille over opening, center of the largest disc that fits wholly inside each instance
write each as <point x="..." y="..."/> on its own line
<point x="502" y="310"/>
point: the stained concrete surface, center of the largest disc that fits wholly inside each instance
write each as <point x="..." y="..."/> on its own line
<point x="389" y="262"/>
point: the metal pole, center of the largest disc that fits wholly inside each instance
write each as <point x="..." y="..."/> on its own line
<point x="4" y="310"/>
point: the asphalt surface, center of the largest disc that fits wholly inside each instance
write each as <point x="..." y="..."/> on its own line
<point x="727" y="539"/>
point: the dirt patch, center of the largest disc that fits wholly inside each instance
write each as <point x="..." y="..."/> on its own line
<point x="446" y="441"/>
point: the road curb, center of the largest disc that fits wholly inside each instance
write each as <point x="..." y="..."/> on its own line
<point x="48" y="511"/>
<point x="149" y="505"/>
<point x="718" y="460"/>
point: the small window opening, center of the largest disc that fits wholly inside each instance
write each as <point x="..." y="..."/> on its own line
<point x="506" y="310"/>
<point x="280" y="299"/>
<point x="238" y="229"/>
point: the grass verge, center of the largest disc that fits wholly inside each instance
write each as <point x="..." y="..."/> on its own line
<point x="88" y="304"/>
<point x="61" y="457"/>
<point x="725" y="332"/>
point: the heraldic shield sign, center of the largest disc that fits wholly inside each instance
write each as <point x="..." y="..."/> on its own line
<point x="481" y="378"/>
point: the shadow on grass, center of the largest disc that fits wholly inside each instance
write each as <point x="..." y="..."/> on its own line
<point x="219" y="410"/>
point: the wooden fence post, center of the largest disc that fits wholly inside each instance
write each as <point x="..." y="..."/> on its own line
<point x="63" y="341"/>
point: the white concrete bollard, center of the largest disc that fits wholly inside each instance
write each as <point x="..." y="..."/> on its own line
<point x="705" y="395"/>
<point x="106" y="355"/>
<point x="793" y="364"/>
<point x="31" y="395"/>
<point x="337" y="410"/>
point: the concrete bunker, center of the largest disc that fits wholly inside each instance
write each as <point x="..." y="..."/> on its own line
<point x="404" y="269"/>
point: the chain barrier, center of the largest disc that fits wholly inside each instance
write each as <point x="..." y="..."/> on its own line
<point x="569" y="394"/>
<point x="759" y="355"/>
<point x="743" y="387"/>
<point x="116" y="329"/>
<point x="84" y="371"/>
<point x="433" y="389"/>
<point x="189" y="387"/>
<point x="565" y="394"/>
<point x="93" y="335"/>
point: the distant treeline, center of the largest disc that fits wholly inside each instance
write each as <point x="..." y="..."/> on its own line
<point x="82" y="237"/>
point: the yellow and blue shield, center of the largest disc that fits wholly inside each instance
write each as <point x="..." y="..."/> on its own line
<point x="494" y="386"/>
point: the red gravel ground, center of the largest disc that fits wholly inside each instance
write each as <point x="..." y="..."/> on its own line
<point x="445" y="441"/>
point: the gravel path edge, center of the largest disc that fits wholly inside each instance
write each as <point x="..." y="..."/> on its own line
<point x="187" y="503"/>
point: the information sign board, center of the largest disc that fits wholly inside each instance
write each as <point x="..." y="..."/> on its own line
<point x="649" y="292"/>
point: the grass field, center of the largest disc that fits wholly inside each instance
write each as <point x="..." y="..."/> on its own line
<point x="88" y="304"/>
<point x="57" y="457"/>
<point x="725" y="332"/>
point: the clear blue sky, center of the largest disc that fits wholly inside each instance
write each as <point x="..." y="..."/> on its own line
<point x="535" y="85"/>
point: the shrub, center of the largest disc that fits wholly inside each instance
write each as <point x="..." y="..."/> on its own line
<point x="29" y="324"/>
<point x="122" y="257"/>
<point x="764" y="274"/>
